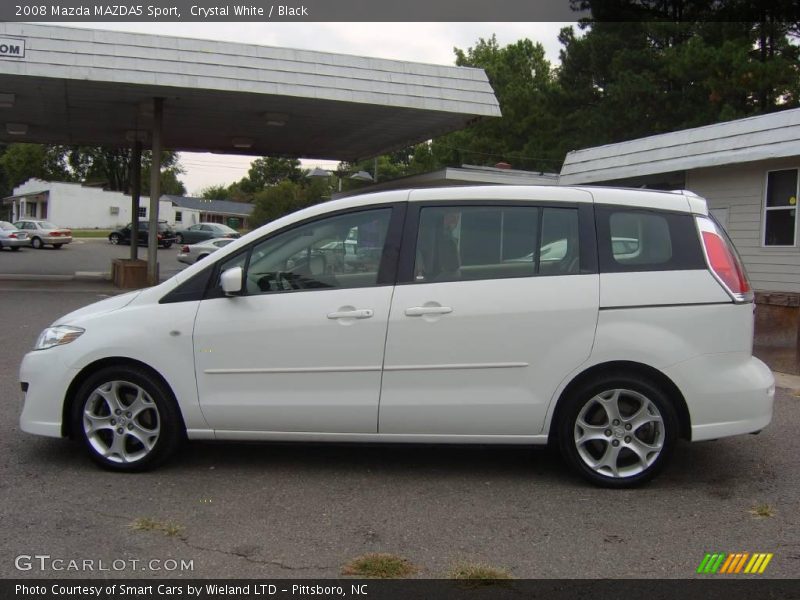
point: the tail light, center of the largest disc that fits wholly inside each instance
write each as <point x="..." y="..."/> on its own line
<point x="55" y="233"/>
<point x="185" y="249"/>
<point x="13" y="236"/>
<point x="724" y="261"/>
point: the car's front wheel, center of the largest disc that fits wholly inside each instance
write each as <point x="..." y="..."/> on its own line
<point x="37" y="243"/>
<point x="618" y="431"/>
<point x="127" y="419"/>
<point x="114" y="238"/>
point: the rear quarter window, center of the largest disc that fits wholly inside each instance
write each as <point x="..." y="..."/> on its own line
<point x="632" y="240"/>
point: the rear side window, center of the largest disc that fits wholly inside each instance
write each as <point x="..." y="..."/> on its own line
<point x="647" y="240"/>
<point x="457" y="243"/>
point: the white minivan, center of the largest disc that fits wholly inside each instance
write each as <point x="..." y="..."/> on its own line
<point x="610" y="322"/>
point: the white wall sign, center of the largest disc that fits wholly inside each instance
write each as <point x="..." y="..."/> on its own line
<point x="11" y="48"/>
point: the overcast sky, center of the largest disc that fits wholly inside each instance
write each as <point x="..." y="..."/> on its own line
<point x="420" y="42"/>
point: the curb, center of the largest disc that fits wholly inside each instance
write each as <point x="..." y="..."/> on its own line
<point x="787" y="381"/>
<point x="77" y="276"/>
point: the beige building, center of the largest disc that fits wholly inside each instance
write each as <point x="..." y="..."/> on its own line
<point x="748" y="171"/>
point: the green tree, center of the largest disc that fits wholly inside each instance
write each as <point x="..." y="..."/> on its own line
<point x="286" y="197"/>
<point x="270" y="170"/>
<point x="216" y="192"/>
<point x="680" y="65"/>
<point x="20" y="162"/>
<point x="524" y="83"/>
<point x="111" y="167"/>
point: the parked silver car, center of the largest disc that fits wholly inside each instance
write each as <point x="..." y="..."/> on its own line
<point x="11" y="237"/>
<point x="191" y="254"/>
<point x="43" y="233"/>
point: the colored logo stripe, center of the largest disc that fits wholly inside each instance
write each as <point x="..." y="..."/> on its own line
<point x="723" y="563"/>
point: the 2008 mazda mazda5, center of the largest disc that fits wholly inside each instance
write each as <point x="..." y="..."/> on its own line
<point x="609" y="322"/>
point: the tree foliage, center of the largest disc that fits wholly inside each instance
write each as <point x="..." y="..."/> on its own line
<point x="287" y="196"/>
<point x="110" y="167"/>
<point x="20" y="162"/>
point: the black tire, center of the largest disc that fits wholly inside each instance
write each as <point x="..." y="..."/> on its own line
<point x="201" y="257"/>
<point x="591" y="402"/>
<point x="114" y="238"/>
<point x="37" y="243"/>
<point x="160" y="414"/>
<point x="179" y="239"/>
<point x="14" y="248"/>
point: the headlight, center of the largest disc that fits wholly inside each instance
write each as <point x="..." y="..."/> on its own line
<point x="57" y="336"/>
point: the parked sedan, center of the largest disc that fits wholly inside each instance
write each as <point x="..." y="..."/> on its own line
<point x="205" y="231"/>
<point x="44" y="233"/>
<point x="191" y="254"/>
<point x="11" y="237"/>
<point x="166" y="235"/>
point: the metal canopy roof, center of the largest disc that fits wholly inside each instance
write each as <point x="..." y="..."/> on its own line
<point x="83" y="86"/>
<point x="773" y="135"/>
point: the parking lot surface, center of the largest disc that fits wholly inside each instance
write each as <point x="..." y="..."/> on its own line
<point x="83" y="256"/>
<point x="283" y="510"/>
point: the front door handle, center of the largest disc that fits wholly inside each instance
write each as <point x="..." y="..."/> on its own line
<point x="418" y="311"/>
<point x="363" y="313"/>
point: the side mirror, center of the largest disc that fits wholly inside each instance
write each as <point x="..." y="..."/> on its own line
<point x="231" y="281"/>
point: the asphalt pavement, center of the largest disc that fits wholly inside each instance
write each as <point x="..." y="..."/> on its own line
<point x="284" y="510"/>
<point x="83" y="259"/>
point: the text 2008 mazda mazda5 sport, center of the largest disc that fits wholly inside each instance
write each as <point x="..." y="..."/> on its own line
<point x="612" y="322"/>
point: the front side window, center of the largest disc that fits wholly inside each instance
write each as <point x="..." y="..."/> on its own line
<point x="341" y="251"/>
<point x="780" y="208"/>
<point x="495" y="242"/>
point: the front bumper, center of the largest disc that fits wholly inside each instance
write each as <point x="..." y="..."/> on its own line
<point x="48" y="379"/>
<point x="727" y="394"/>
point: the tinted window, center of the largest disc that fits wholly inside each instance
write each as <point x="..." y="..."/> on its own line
<point x="343" y="251"/>
<point x="647" y="240"/>
<point x="457" y="243"/>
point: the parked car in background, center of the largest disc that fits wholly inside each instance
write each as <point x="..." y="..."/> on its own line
<point x="44" y="233"/>
<point x="205" y="231"/>
<point x="194" y="252"/>
<point x="11" y="237"/>
<point x="166" y="234"/>
<point x="630" y="329"/>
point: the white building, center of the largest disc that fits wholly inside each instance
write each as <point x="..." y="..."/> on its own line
<point x="81" y="207"/>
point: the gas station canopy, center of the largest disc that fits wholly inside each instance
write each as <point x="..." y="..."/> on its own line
<point x="65" y="85"/>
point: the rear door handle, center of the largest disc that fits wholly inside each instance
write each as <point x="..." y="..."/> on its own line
<point x="418" y="311"/>
<point x="363" y="313"/>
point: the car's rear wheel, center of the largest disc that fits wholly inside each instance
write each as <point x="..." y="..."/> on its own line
<point x="617" y="431"/>
<point x="14" y="248"/>
<point x="114" y="238"/>
<point x="57" y="246"/>
<point x="37" y="243"/>
<point x="201" y="257"/>
<point x="127" y="419"/>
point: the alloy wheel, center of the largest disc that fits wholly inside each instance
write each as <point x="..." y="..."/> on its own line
<point x="121" y="422"/>
<point x="619" y="433"/>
